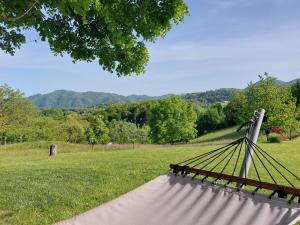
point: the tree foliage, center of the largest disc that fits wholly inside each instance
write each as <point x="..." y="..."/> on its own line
<point x="16" y="113"/>
<point x="97" y="132"/>
<point x="211" y="119"/>
<point x="113" y="32"/>
<point x="172" y="120"/>
<point x="46" y="129"/>
<point x="296" y="91"/>
<point x="159" y="121"/>
<point x="279" y="103"/>
<point x="74" y="130"/>
<point x="234" y="110"/>
<point x="211" y="96"/>
<point x="123" y="132"/>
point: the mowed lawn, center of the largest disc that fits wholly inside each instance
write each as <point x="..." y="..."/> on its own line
<point x="39" y="190"/>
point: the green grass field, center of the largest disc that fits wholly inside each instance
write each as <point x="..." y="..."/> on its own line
<point x="39" y="190"/>
<point x="222" y="136"/>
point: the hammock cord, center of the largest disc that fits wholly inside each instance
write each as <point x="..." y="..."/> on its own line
<point x="237" y="159"/>
<point x="194" y="159"/>
<point x="213" y="157"/>
<point x="259" y="151"/>
<point x="280" y="164"/>
<point x="253" y="161"/>
<point x="232" y="153"/>
<point x="265" y="167"/>
<point x="227" y="163"/>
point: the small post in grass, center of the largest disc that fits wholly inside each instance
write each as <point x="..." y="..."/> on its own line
<point x="53" y="150"/>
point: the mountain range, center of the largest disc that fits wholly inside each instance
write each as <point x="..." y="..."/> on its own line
<point x="75" y="100"/>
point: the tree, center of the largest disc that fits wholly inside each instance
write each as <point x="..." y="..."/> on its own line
<point x="279" y="103"/>
<point x="16" y="113"/>
<point x="112" y="32"/>
<point x="46" y="129"/>
<point x="74" y="129"/>
<point x="142" y="135"/>
<point x="97" y="132"/>
<point x="172" y="120"/>
<point x="57" y="114"/>
<point x="123" y="132"/>
<point x="296" y="91"/>
<point x="234" y="109"/>
<point x="212" y="119"/>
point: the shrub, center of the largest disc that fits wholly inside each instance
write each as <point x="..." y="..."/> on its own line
<point x="274" y="138"/>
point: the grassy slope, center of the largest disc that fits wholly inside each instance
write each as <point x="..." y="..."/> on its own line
<point x="220" y="136"/>
<point x="37" y="189"/>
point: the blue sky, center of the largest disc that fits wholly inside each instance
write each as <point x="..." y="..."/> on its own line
<point x="223" y="43"/>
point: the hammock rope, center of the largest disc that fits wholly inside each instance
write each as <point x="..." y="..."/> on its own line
<point x="216" y="164"/>
<point x="259" y="151"/>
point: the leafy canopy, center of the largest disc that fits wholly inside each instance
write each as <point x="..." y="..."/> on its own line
<point x="172" y="120"/>
<point x="279" y="103"/>
<point x="97" y="133"/>
<point x="16" y="112"/>
<point x="213" y="118"/>
<point x="123" y="132"/>
<point x="113" y="32"/>
<point x="296" y="91"/>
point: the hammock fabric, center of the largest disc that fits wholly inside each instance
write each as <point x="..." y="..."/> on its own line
<point x="177" y="200"/>
<point x="198" y="192"/>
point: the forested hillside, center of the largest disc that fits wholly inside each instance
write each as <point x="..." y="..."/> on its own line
<point x="72" y="100"/>
<point x="168" y="120"/>
<point x="77" y="100"/>
<point x="212" y="96"/>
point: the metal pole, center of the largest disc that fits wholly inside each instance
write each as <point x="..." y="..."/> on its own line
<point x="253" y="136"/>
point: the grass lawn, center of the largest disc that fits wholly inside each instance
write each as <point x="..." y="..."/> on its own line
<point x="223" y="136"/>
<point x="219" y="136"/>
<point x="39" y="190"/>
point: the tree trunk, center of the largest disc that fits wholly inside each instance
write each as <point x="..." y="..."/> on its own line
<point x="53" y="150"/>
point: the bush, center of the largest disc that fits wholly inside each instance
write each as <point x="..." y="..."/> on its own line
<point x="123" y="132"/>
<point x="274" y="138"/>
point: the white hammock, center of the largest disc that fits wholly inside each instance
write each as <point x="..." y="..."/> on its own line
<point x="177" y="200"/>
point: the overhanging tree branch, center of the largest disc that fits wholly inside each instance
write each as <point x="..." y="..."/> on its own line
<point x="12" y="19"/>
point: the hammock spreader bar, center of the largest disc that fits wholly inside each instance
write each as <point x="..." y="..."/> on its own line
<point x="207" y="165"/>
<point x="280" y="190"/>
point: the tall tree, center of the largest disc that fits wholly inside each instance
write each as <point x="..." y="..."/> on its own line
<point x="296" y="91"/>
<point x="74" y="129"/>
<point x="234" y="109"/>
<point x="97" y="133"/>
<point x="212" y="119"/>
<point x="113" y="32"/>
<point x="172" y="120"/>
<point x="279" y="103"/>
<point x="123" y="132"/>
<point x="16" y="113"/>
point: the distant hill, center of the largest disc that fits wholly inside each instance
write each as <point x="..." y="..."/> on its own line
<point x="74" y="100"/>
<point x="212" y="96"/>
<point x="291" y="82"/>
